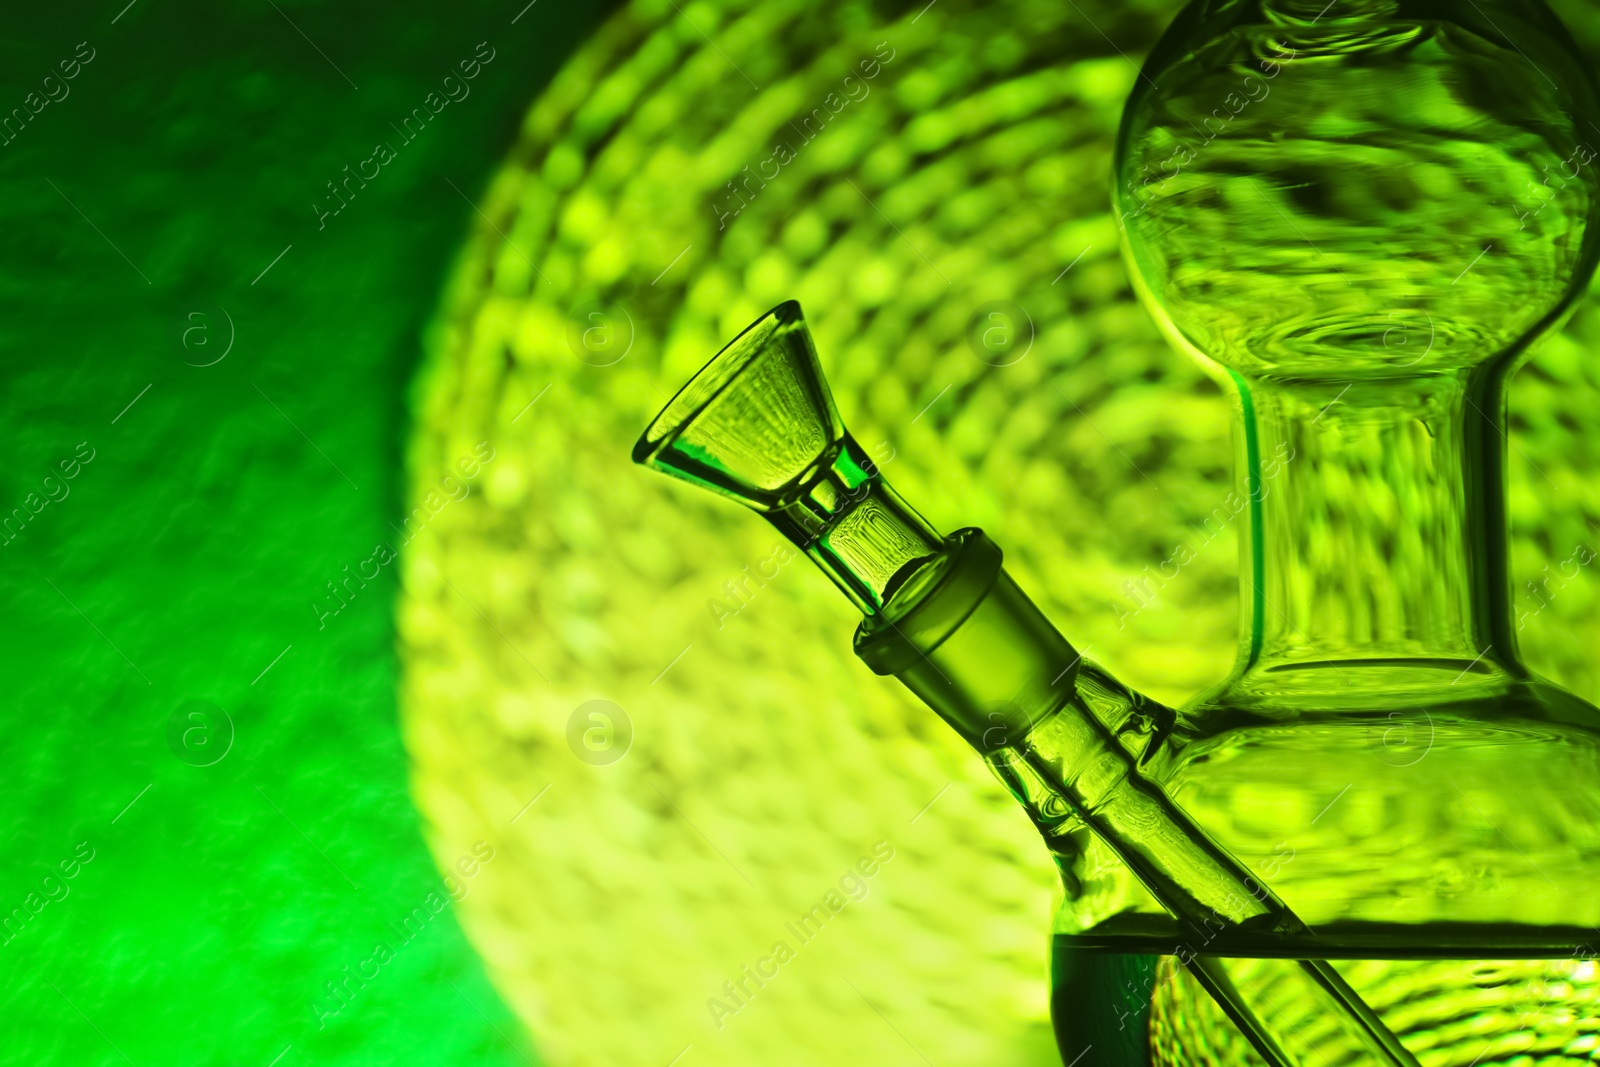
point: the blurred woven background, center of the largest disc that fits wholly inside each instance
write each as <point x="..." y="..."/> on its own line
<point x="611" y="261"/>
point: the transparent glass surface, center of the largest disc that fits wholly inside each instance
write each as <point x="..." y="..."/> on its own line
<point x="1360" y="216"/>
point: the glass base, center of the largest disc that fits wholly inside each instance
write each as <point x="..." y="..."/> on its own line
<point x="1126" y="1009"/>
<point x="1472" y="813"/>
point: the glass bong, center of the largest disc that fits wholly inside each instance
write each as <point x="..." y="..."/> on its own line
<point x="1378" y="840"/>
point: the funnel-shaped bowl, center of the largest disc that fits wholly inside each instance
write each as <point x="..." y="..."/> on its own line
<point x="756" y="419"/>
<point x="758" y="424"/>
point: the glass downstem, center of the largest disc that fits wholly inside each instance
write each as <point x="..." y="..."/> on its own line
<point x="1378" y="1038"/>
<point x="1067" y="760"/>
<point x="974" y="647"/>
<point x="1214" y="979"/>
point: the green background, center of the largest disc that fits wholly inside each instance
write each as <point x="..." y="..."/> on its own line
<point x="218" y="505"/>
<point x="186" y="554"/>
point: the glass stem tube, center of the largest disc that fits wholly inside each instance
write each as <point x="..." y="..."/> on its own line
<point x="1377" y="524"/>
<point x="993" y="667"/>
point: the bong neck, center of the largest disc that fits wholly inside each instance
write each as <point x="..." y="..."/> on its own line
<point x="1377" y="525"/>
<point x="859" y="531"/>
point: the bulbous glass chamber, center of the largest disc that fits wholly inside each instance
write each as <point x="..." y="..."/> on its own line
<point x="1361" y="187"/>
<point x="1360" y="215"/>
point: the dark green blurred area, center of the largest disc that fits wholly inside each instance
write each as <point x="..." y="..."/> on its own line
<point x="185" y="555"/>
